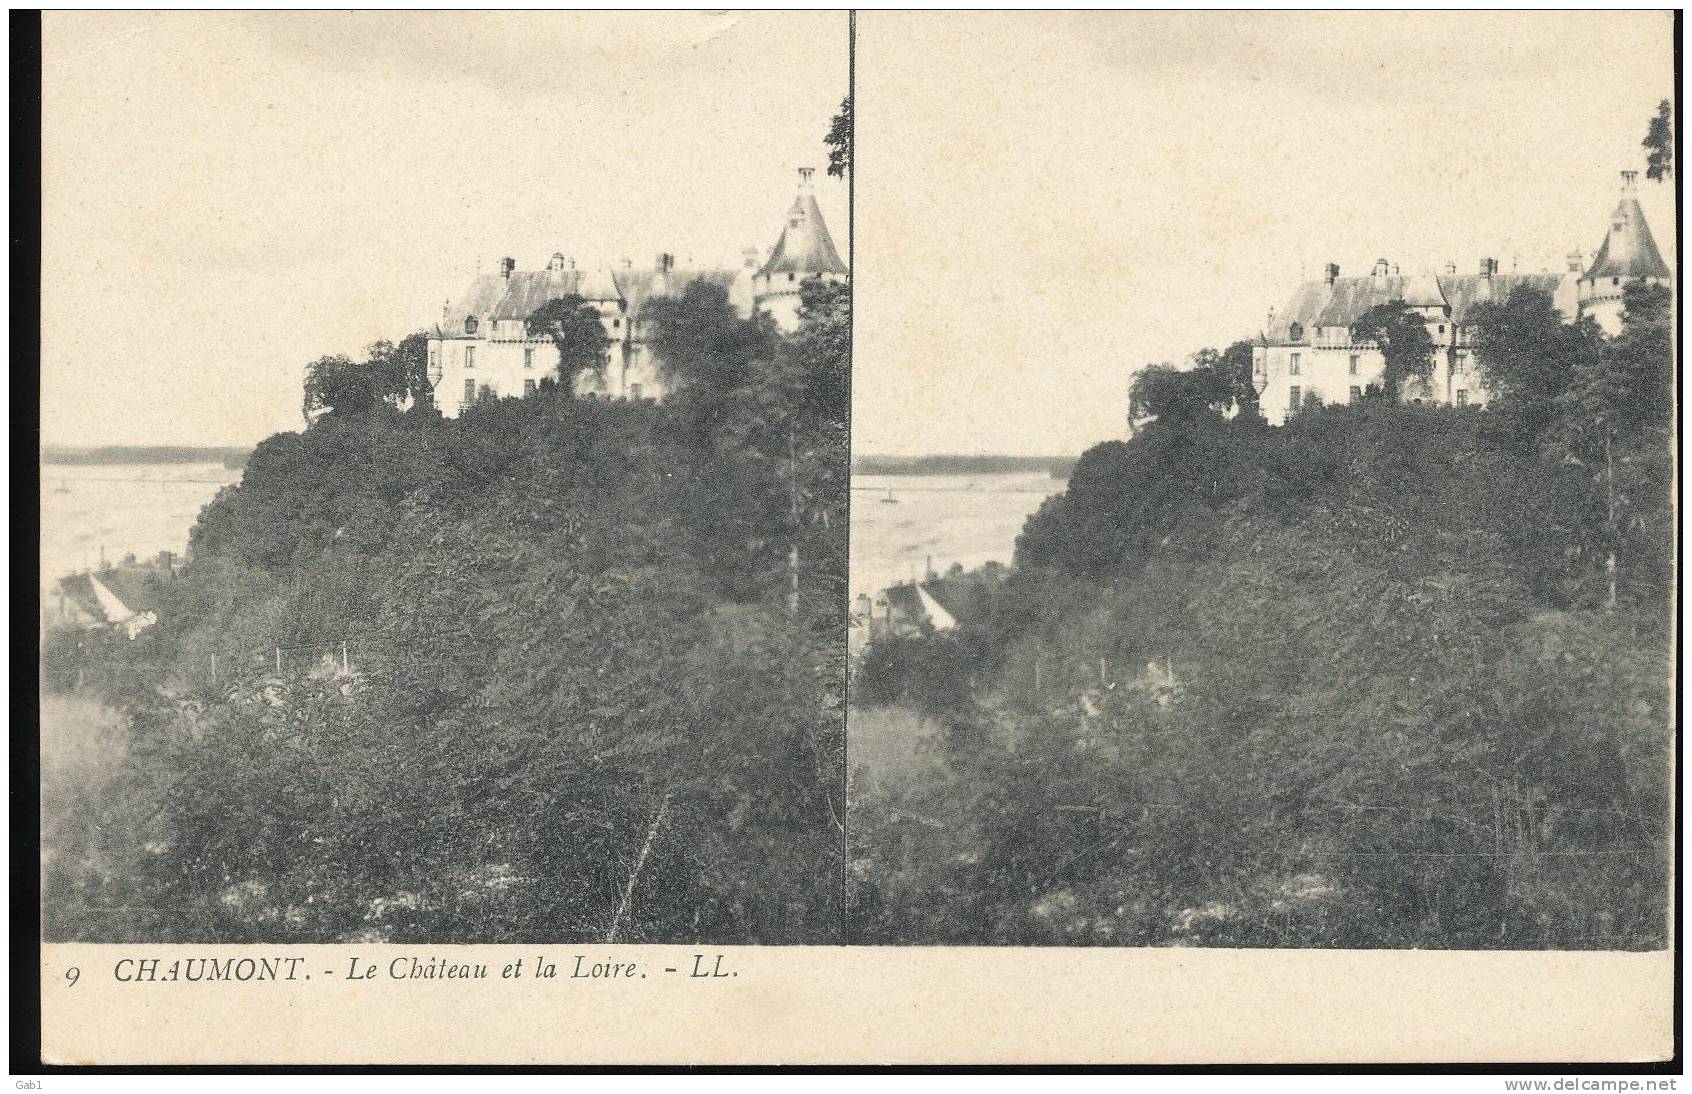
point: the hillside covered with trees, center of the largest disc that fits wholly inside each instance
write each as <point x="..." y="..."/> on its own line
<point x="1386" y="676"/>
<point x="561" y="669"/>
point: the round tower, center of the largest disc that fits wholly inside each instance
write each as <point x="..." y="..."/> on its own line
<point x="804" y="252"/>
<point x="1629" y="254"/>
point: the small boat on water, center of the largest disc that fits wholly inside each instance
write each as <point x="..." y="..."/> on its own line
<point x="890" y="499"/>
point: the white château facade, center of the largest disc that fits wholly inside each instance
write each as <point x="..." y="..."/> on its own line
<point x="481" y="348"/>
<point x="1305" y="353"/>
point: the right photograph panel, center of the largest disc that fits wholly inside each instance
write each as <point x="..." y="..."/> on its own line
<point x="1263" y="522"/>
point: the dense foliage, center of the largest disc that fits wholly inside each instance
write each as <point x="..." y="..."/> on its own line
<point x="1401" y="334"/>
<point x="1390" y="675"/>
<point x="560" y="669"/>
<point x="392" y="374"/>
<point x="1659" y="143"/>
<point x="579" y="336"/>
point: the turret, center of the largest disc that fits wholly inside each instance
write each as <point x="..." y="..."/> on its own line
<point x="1629" y="253"/>
<point x="805" y="251"/>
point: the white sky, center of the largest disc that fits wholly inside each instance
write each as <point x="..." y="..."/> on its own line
<point x="229" y="196"/>
<point x="1046" y="202"/>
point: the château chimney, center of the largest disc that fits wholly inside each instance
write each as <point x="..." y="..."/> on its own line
<point x="1489" y="266"/>
<point x="749" y="257"/>
<point x="1629" y="179"/>
<point x="805" y="174"/>
<point x="1577" y="263"/>
<point x="1330" y="273"/>
<point x="506" y="265"/>
<point x="1382" y="266"/>
<point x="1451" y="269"/>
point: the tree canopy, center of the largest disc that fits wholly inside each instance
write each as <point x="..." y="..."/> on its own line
<point x="576" y="330"/>
<point x="1659" y="143"/>
<point x="1406" y="349"/>
<point x="839" y="141"/>
<point x="392" y="375"/>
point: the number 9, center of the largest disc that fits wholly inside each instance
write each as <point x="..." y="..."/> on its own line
<point x="73" y="974"/>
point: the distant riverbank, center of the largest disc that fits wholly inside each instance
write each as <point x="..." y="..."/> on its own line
<point x="233" y="458"/>
<point x="1058" y="467"/>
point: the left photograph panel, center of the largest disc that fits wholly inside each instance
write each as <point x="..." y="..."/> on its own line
<point x="443" y="480"/>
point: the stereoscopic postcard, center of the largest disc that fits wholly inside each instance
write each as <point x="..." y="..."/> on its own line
<point x="777" y="537"/>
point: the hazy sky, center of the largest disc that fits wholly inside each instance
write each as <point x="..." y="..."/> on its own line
<point x="1045" y="202"/>
<point x="229" y="196"/>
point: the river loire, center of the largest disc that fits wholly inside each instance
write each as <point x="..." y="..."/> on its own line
<point x="903" y="523"/>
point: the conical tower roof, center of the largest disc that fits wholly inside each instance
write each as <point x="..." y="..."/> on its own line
<point x="1628" y="250"/>
<point x="805" y="246"/>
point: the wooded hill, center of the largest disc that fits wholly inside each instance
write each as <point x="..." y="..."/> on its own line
<point x="596" y="669"/>
<point x="1388" y="675"/>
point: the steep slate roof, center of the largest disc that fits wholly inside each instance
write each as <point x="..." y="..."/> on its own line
<point x="1317" y="304"/>
<point x="641" y="285"/>
<point x="528" y="290"/>
<point x="805" y="246"/>
<point x="1628" y="250"/>
<point x="1464" y="292"/>
<point x="497" y="297"/>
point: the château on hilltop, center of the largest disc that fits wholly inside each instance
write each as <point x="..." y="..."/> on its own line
<point x="481" y="347"/>
<point x="1305" y="352"/>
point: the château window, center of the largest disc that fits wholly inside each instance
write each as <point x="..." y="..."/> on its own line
<point x="528" y="357"/>
<point x="1295" y="396"/>
<point x="469" y="324"/>
<point x="528" y="387"/>
<point x="790" y="277"/>
<point x="469" y="356"/>
<point x="1292" y="366"/>
<point x="434" y="357"/>
<point x="634" y="391"/>
<point x="1356" y="393"/>
<point x="1352" y="368"/>
<point x="1296" y="332"/>
<point x="469" y="392"/>
<point x="1462" y="398"/>
<point x="1441" y="328"/>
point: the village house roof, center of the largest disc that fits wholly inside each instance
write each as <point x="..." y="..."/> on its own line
<point x="79" y="590"/>
<point x="805" y="246"/>
<point x="133" y="586"/>
<point x="112" y="595"/>
<point x="964" y="597"/>
<point x="1629" y="250"/>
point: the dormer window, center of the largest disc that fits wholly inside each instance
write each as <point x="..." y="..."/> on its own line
<point x="469" y="324"/>
<point x="1296" y="332"/>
